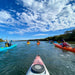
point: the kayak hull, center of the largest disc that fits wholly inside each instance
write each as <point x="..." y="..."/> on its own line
<point x="65" y="48"/>
<point x="7" y="48"/>
<point x="38" y="61"/>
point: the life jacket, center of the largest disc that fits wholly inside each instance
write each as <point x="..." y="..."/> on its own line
<point x="6" y="45"/>
<point x="65" y="44"/>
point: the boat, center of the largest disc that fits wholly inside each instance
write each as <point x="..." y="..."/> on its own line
<point x="38" y="67"/>
<point x="65" y="48"/>
<point x="38" y="43"/>
<point x="28" y="43"/>
<point x="6" y="48"/>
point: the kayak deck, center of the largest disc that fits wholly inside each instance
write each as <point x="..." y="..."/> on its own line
<point x="65" y="48"/>
<point x="38" y="67"/>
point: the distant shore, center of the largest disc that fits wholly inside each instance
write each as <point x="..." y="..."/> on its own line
<point x="1" y="40"/>
<point x="68" y="36"/>
<point x="71" y="42"/>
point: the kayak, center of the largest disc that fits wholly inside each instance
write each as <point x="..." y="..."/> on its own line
<point x="38" y="43"/>
<point x="28" y="43"/>
<point x="65" y="48"/>
<point x="6" y="48"/>
<point x="38" y="67"/>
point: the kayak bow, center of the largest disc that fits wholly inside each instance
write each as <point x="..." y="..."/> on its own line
<point x="38" y="67"/>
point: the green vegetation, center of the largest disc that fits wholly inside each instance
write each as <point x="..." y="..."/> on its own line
<point x="71" y="42"/>
<point x="38" y="39"/>
<point x="1" y="40"/>
<point x="68" y="36"/>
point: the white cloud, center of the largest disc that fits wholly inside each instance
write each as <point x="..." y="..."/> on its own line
<point x="47" y="11"/>
<point x="46" y="15"/>
<point x="40" y="34"/>
<point x="26" y="2"/>
<point x="6" y="18"/>
<point x="12" y="10"/>
<point x="2" y="26"/>
<point x="18" y="31"/>
<point x="4" y="15"/>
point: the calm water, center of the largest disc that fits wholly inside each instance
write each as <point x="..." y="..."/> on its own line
<point x="18" y="60"/>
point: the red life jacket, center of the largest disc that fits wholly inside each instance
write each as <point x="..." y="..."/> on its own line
<point x="65" y="44"/>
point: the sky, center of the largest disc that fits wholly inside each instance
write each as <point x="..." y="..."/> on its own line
<point x="33" y="19"/>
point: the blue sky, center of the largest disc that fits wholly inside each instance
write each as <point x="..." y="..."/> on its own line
<point x="32" y="19"/>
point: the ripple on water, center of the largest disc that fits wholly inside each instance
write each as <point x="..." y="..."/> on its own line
<point x="18" y="60"/>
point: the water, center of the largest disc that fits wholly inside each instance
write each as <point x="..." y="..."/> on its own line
<point x="18" y="60"/>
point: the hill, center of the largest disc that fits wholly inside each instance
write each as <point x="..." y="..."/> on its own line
<point x="1" y="40"/>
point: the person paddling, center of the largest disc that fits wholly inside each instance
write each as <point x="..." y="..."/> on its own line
<point x="38" y="41"/>
<point x="64" y="44"/>
<point x="7" y="43"/>
<point x="27" y="41"/>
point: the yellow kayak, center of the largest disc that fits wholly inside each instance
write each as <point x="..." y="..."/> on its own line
<point x="28" y="43"/>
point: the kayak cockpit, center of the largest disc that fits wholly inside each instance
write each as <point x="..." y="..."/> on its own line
<point x="37" y="68"/>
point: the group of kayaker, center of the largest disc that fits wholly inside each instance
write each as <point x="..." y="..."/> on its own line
<point x="63" y="43"/>
<point x="7" y="43"/>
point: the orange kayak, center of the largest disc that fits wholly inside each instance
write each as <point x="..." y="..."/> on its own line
<point x="38" y="43"/>
<point x="65" y="48"/>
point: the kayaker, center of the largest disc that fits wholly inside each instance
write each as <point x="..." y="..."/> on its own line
<point x="38" y="41"/>
<point x="27" y="41"/>
<point x="64" y="44"/>
<point x="7" y="43"/>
